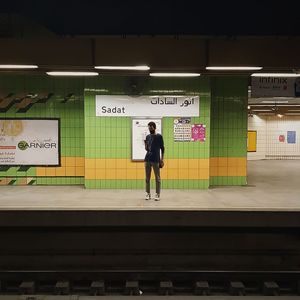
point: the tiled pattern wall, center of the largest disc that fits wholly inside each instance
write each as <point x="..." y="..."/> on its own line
<point x="96" y="151"/>
<point x="108" y="139"/>
<point x="56" y="98"/>
<point x="259" y="125"/>
<point x="228" y="162"/>
<point x="269" y="128"/>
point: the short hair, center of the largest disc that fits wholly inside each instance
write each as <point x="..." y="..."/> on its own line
<point x="152" y="124"/>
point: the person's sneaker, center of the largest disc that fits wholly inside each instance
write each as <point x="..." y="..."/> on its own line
<point x="157" y="198"/>
<point x="148" y="196"/>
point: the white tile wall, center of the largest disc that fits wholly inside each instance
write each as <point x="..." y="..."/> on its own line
<point x="277" y="126"/>
<point x="268" y="130"/>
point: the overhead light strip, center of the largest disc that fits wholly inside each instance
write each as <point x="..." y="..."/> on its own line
<point x="65" y="73"/>
<point x="123" y="68"/>
<point x="275" y="75"/>
<point x="275" y="101"/>
<point x="167" y="91"/>
<point x="261" y="110"/>
<point x="272" y="105"/>
<point x="18" y="66"/>
<point x="175" y="74"/>
<point x="245" y="68"/>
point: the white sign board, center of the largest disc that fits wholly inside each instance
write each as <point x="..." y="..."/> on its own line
<point x="147" y="106"/>
<point x="30" y="142"/>
<point x="273" y="87"/>
<point x="139" y="133"/>
<point x="182" y="130"/>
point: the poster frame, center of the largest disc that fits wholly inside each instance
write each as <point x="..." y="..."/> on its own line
<point x="58" y="138"/>
<point x="147" y="119"/>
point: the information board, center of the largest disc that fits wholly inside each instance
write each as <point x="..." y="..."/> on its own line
<point x="147" y="106"/>
<point x="182" y="130"/>
<point x="139" y="133"/>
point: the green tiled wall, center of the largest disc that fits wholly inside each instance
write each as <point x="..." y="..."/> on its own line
<point x="140" y="184"/>
<point x="223" y="108"/>
<point x="65" y="104"/>
<point x="229" y="123"/>
<point x="110" y="137"/>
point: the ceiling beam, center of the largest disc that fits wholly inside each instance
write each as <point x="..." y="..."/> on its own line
<point x="160" y="53"/>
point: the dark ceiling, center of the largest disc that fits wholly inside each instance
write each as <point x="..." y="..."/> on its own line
<point x="153" y="17"/>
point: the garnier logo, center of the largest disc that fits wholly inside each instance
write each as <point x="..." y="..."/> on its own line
<point x="23" y="145"/>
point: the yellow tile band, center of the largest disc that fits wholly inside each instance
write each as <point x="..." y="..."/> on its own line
<point x="228" y="166"/>
<point x="187" y="168"/>
<point x="70" y="166"/>
<point x="127" y="169"/>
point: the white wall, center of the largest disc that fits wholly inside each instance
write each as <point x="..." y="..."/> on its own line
<point x="268" y="130"/>
<point x="259" y="125"/>
<point x="277" y="126"/>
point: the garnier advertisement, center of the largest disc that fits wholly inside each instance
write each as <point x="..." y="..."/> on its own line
<point x="30" y="142"/>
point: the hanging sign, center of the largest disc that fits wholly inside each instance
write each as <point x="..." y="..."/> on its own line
<point x="273" y="86"/>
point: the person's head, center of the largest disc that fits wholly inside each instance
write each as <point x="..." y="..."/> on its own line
<point x="152" y="127"/>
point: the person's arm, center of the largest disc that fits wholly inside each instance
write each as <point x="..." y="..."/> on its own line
<point x="162" y="147"/>
<point x="146" y="144"/>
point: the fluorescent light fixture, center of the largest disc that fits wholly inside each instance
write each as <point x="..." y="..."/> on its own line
<point x="18" y="67"/>
<point x="97" y="90"/>
<point x="245" y="68"/>
<point x="167" y="91"/>
<point x="262" y="110"/>
<point x="274" y="104"/>
<point x="275" y="75"/>
<point x="175" y="74"/>
<point x="59" y="73"/>
<point x="275" y="101"/>
<point x="279" y="115"/>
<point x="282" y="98"/>
<point x="170" y="96"/>
<point x="129" y="68"/>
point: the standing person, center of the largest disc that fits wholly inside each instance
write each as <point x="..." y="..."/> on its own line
<point x="153" y="144"/>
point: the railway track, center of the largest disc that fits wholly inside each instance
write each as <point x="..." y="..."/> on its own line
<point x="150" y="283"/>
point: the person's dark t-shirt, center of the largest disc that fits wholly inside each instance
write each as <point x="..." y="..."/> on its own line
<point x="154" y="143"/>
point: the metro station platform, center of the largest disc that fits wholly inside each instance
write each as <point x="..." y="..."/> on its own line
<point x="273" y="190"/>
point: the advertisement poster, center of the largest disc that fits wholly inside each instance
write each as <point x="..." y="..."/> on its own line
<point x="291" y="137"/>
<point x="251" y="141"/>
<point x="281" y="138"/>
<point x="29" y="142"/>
<point x="198" y="132"/>
<point x="182" y="130"/>
<point x="273" y="86"/>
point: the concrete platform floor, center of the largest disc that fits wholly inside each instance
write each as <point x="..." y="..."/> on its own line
<point x="273" y="185"/>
